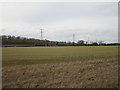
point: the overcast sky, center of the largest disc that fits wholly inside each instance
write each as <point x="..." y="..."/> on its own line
<point x="60" y="20"/>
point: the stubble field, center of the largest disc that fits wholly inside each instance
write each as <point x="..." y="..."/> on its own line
<point x="60" y="67"/>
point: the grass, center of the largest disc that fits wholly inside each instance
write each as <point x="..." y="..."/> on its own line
<point x="60" y="67"/>
<point x="97" y="73"/>
<point x="39" y="55"/>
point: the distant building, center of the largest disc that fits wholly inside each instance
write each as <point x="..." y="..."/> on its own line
<point x="80" y="42"/>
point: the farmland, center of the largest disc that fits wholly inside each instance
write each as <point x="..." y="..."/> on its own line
<point x="60" y="67"/>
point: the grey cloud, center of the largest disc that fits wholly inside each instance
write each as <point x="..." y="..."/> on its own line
<point x="57" y="11"/>
<point x="105" y="35"/>
<point x="45" y="13"/>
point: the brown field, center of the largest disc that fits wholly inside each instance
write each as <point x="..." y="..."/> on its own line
<point x="79" y="74"/>
<point x="99" y="68"/>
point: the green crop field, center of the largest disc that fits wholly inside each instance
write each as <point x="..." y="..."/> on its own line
<point x="37" y="55"/>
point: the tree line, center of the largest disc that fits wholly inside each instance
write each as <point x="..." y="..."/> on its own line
<point x="8" y="40"/>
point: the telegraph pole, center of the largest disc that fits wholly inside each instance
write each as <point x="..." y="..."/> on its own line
<point x="41" y="34"/>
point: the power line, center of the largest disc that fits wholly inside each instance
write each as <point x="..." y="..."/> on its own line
<point x="96" y="40"/>
<point x="73" y="38"/>
<point x="88" y="40"/>
<point x="41" y="34"/>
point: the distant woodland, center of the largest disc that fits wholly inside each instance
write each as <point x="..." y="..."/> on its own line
<point x="10" y="41"/>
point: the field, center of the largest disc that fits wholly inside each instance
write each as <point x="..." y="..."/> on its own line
<point x="60" y="67"/>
